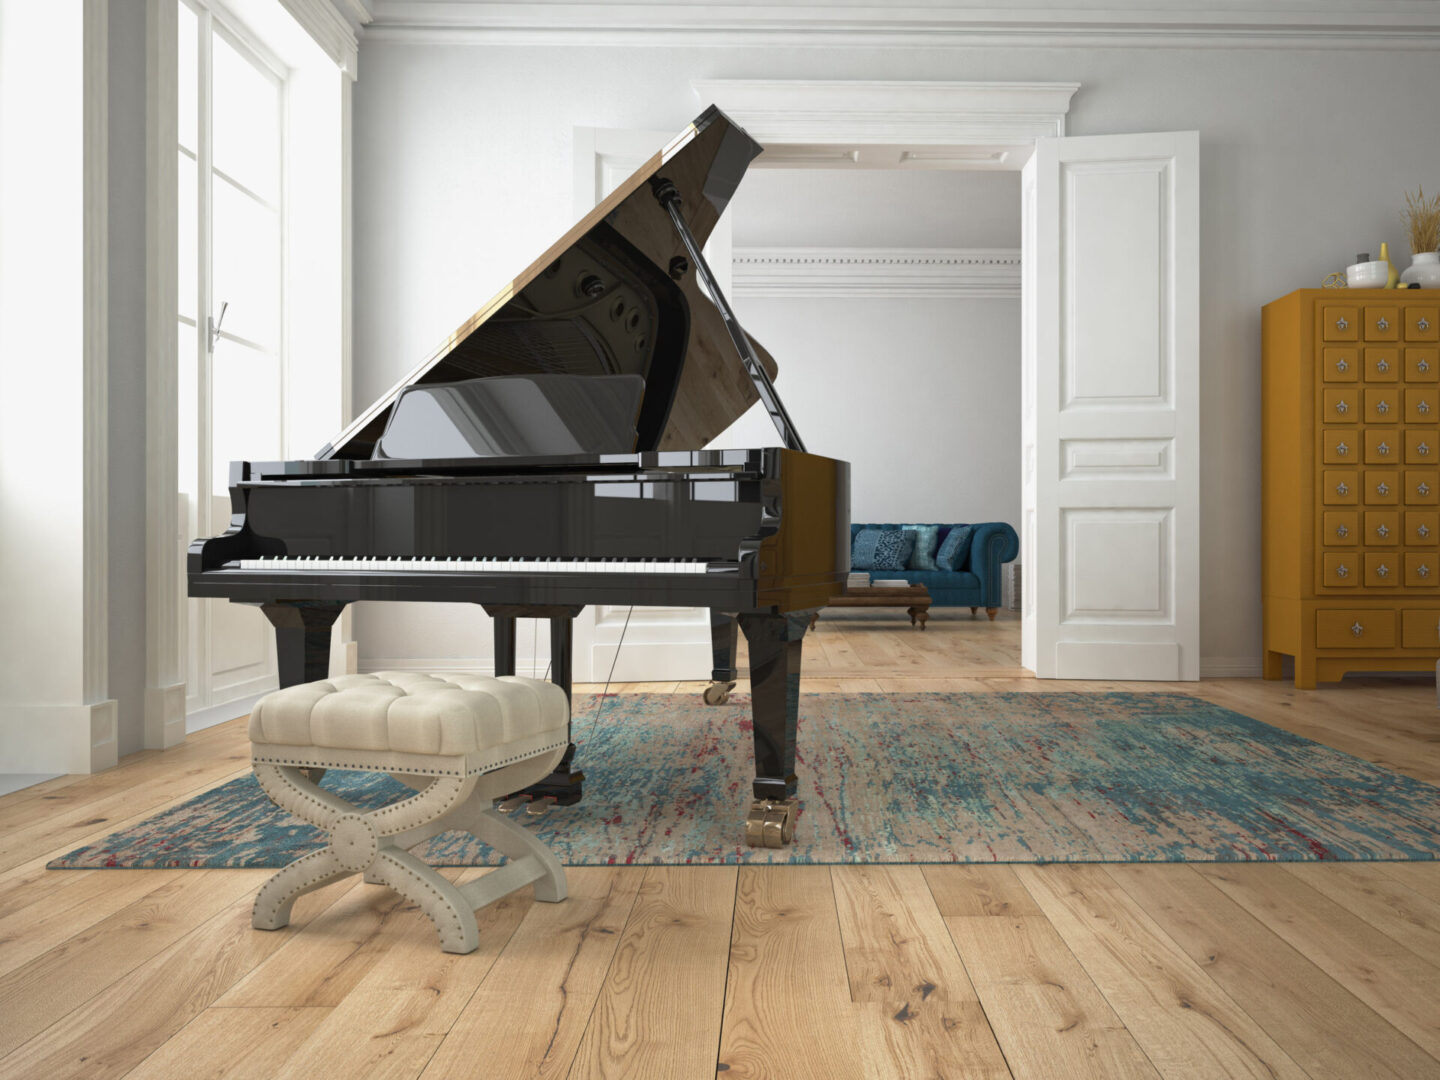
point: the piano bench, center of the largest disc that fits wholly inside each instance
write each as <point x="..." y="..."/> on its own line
<point x="461" y="741"/>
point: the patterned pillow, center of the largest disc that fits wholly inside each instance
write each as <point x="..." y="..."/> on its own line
<point x="892" y="550"/>
<point x="956" y="548"/>
<point x="862" y="549"/>
<point x="927" y="539"/>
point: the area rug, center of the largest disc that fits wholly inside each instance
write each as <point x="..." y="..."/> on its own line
<point x="889" y="778"/>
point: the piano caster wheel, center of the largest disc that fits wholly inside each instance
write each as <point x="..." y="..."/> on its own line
<point x="717" y="693"/>
<point x="770" y="824"/>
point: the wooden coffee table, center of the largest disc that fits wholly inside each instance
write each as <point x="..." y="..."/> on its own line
<point x="915" y="599"/>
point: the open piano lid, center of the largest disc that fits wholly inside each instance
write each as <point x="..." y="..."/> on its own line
<point x="614" y="295"/>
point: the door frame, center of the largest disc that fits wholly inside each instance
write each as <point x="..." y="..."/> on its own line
<point x="961" y="126"/>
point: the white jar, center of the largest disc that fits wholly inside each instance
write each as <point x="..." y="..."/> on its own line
<point x="1425" y="270"/>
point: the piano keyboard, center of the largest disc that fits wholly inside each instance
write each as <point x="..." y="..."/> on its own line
<point x="487" y="566"/>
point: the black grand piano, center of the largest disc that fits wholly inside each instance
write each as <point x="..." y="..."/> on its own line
<point x="550" y="455"/>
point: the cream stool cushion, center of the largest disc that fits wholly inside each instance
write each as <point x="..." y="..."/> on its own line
<point x="462" y="740"/>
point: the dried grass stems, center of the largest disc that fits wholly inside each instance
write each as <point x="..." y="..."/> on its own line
<point x="1422" y="219"/>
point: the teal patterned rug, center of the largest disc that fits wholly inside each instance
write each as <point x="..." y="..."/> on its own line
<point x="894" y="778"/>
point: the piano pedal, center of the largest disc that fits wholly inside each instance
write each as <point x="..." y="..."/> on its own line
<point x="510" y="805"/>
<point x="537" y="807"/>
<point x="717" y="693"/>
<point x="771" y="823"/>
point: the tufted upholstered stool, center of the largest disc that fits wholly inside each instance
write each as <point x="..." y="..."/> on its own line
<point x="461" y="741"/>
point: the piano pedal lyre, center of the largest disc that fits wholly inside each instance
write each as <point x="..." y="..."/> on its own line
<point x="771" y="823"/>
<point x="717" y="693"/>
<point x="510" y="805"/>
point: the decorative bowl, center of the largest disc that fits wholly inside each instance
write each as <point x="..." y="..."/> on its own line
<point x="1367" y="275"/>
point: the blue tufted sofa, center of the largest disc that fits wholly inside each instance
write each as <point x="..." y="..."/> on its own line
<point x="977" y="583"/>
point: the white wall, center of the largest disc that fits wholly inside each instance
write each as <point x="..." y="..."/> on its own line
<point x="462" y="174"/>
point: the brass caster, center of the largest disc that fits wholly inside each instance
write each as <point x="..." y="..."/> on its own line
<point x="771" y="824"/>
<point x="717" y="693"/>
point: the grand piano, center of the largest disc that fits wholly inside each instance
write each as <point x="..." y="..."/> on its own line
<point x="549" y="455"/>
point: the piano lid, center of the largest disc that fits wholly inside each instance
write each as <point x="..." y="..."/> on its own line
<point x="614" y="296"/>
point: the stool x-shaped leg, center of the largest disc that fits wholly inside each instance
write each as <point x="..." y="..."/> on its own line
<point x="374" y="843"/>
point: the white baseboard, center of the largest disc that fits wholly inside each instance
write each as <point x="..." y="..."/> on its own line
<point x="201" y="719"/>
<point x="164" y="716"/>
<point x="1230" y="667"/>
<point x="58" y="738"/>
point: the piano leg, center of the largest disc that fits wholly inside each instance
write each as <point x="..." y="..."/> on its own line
<point x="724" y="643"/>
<point x="774" y="642"/>
<point x="504" y="645"/>
<point x="302" y="637"/>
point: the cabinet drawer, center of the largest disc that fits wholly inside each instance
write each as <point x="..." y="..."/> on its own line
<point x="1420" y="628"/>
<point x="1421" y="365"/>
<point x="1343" y="629"/>
<point x="1382" y="322"/>
<point x="1383" y="569"/>
<point x="1341" y="406"/>
<point x="1382" y="487"/>
<point x="1340" y="322"/>
<point x="1422" y="323"/>
<point x="1422" y="446"/>
<point x="1382" y="405"/>
<point x="1422" y="570"/>
<point x="1382" y="364"/>
<point x="1382" y="446"/>
<point x="1382" y="527"/>
<point x="1340" y="569"/>
<point x="1422" y="487"/>
<point x="1340" y="528"/>
<point x="1422" y="527"/>
<point x="1341" y="487"/>
<point x="1422" y="404"/>
<point x="1339" y="446"/>
<point x="1342" y="365"/>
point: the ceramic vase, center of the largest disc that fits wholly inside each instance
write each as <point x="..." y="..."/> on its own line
<point x="1424" y="270"/>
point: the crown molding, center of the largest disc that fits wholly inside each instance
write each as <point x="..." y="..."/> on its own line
<point x="804" y="111"/>
<point x="1337" y="24"/>
<point x="335" y="26"/>
<point x="916" y="273"/>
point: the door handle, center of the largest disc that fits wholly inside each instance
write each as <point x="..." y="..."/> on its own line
<point x="215" y="324"/>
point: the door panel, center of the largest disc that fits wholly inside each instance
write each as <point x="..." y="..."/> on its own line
<point x="1111" y="251"/>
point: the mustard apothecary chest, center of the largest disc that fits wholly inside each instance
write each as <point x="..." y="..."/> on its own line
<point x="1351" y="485"/>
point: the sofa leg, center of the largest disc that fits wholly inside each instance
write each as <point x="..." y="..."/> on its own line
<point x="974" y="611"/>
<point x="991" y="612"/>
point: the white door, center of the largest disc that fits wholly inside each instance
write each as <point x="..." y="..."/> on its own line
<point x="1111" y="478"/>
<point x="229" y="320"/>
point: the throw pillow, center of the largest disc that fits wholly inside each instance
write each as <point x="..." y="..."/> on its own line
<point x="893" y="548"/>
<point x="862" y="549"/>
<point x="955" y="549"/>
<point x="927" y="539"/>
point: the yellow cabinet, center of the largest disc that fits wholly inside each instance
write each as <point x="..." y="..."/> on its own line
<point x="1351" y="482"/>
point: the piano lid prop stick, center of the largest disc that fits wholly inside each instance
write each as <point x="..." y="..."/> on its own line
<point x="669" y="198"/>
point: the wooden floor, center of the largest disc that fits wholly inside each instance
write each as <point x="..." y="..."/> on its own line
<point x="1049" y="972"/>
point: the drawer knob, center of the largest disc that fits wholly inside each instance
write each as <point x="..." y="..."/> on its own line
<point x="1382" y="488"/>
<point x="1423" y="530"/>
<point x="1423" y="448"/>
<point x="1383" y="408"/>
<point x="1342" y="407"/>
<point x="1423" y="323"/>
<point x="1382" y="570"/>
<point x="1341" y="449"/>
<point x="1423" y="407"/>
<point x="1422" y="365"/>
<point x="1382" y="323"/>
<point x="1382" y="531"/>
<point x="1382" y="365"/>
<point x="1342" y="323"/>
<point x="1342" y="488"/>
<point x="1422" y="488"/>
<point x="1342" y="531"/>
<point x="1342" y="570"/>
<point x="1384" y="449"/>
<point x="1423" y="570"/>
<point x="1344" y="365"/>
<point x="1356" y="628"/>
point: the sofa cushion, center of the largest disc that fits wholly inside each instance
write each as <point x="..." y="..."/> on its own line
<point x="941" y="582"/>
<point x="881" y="549"/>
<point x="956" y="548"/>
<point x="927" y="540"/>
